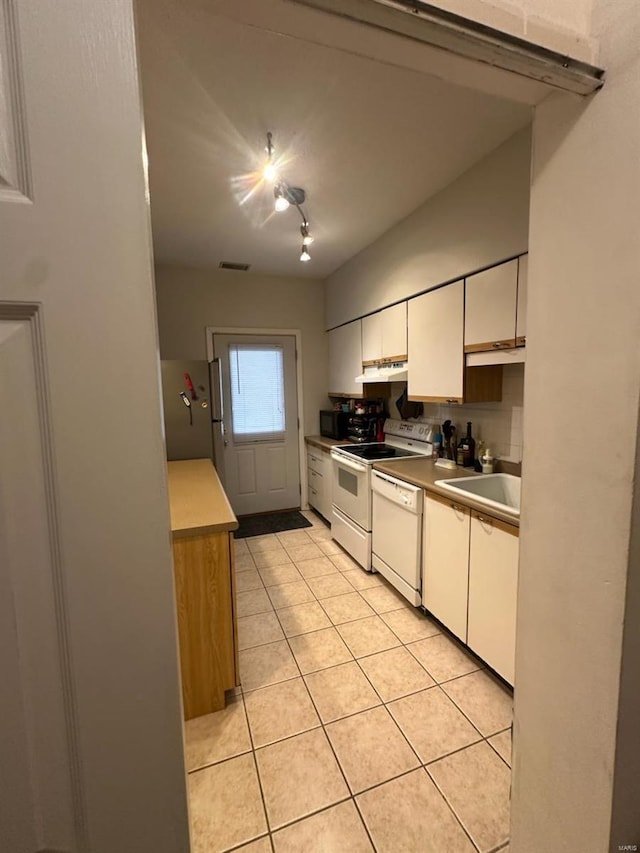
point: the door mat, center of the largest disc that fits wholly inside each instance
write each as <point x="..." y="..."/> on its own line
<point x="272" y="522"/>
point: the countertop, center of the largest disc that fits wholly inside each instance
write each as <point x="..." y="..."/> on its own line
<point x="197" y="501"/>
<point x="422" y="472"/>
<point x="324" y="443"/>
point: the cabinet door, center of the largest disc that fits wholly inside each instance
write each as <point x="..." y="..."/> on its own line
<point x="394" y="332"/>
<point x="345" y="360"/>
<point x="435" y="339"/>
<point x="372" y="338"/>
<point x="493" y="582"/>
<point x="521" y="314"/>
<point x="445" y="579"/>
<point x="490" y="308"/>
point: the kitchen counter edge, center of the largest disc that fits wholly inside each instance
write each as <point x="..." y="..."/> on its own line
<point x="423" y="473"/>
<point x="323" y="443"/>
<point x="198" y="503"/>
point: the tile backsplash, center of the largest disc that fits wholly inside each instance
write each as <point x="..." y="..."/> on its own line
<point x="499" y="425"/>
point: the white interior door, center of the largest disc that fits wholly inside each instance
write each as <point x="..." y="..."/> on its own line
<point x="261" y="463"/>
<point x="90" y="732"/>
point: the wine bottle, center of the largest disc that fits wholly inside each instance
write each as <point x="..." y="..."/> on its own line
<point x="468" y="446"/>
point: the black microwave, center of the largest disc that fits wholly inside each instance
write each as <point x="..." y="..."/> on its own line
<point x="334" y="424"/>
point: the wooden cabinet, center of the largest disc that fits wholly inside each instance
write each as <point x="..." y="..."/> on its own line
<point x="493" y="584"/>
<point x="384" y="336"/>
<point x="445" y="584"/>
<point x="470" y="579"/>
<point x="490" y="308"/>
<point x="202" y="524"/>
<point x="437" y="370"/>
<point x="521" y="309"/>
<point x="319" y="477"/>
<point x="203" y="569"/>
<point x="345" y="360"/>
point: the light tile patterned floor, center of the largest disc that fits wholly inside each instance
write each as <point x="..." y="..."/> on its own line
<point x="360" y="725"/>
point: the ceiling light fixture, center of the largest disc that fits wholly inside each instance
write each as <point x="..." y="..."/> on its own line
<point x="287" y="196"/>
<point x="269" y="172"/>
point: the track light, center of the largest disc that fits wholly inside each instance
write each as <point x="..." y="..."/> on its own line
<point x="281" y="202"/>
<point x="307" y="239"/>
<point x="285" y="196"/>
<point x="269" y="172"/>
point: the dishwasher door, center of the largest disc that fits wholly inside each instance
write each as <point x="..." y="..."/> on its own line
<point x="397" y="534"/>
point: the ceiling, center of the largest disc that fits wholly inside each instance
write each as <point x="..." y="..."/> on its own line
<point x="369" y="141"/>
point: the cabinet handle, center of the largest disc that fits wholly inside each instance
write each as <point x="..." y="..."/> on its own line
<point x="485" y="520"/>
<point x="458" y="508"/>
<point x="452" y="401"/>
<point x="498" y="344"/>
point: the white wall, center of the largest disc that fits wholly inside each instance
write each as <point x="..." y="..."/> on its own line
<point x="190" y="299"/>
<point x="562" y="25"/>
<point x="583" y="329"/>
<point x="478" y="220"/>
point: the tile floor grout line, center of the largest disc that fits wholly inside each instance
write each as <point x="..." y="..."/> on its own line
<point x="453" y="811"/>
<point x="255" y="764"/>
<point x="384" y="704"/>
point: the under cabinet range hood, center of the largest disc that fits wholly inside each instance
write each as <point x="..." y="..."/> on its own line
<point x="394" y="372"/>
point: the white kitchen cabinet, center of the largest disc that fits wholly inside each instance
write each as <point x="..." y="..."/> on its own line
<point x="493" y="583"/>
<point x="384" y="335"/>
<point x="319" y="479"/>
<point x="345" y="360"/>
<point x="445" y="583"/>
<point x="437" y="371"/>
<point x="521" y="311"/>
<point x="436" y="356"/>
<point x="490" y="308"/>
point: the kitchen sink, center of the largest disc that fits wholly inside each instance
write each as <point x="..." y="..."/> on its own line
<point x="501" y="491"/>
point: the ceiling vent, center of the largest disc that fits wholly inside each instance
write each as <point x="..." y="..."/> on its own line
<point x="227" y="265"/>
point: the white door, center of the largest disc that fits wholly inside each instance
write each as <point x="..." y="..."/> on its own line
<point x="91" y="736"/>
<point x="261" y="461"/>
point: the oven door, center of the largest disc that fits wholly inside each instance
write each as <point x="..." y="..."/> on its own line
<point x="351" y="491"/>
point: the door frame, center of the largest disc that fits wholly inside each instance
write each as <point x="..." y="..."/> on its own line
<point x="210" y="331"/>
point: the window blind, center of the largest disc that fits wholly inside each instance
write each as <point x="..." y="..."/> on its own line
<point x="257" y="392"/>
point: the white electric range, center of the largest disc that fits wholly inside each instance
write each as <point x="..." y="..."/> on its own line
<point x="351" y="521"/>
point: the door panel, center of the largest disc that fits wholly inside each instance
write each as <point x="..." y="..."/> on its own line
<point x="260" y="443"/>
<point x="91" y="749"/>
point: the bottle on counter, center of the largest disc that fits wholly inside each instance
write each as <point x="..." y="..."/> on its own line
<point x="437" y="442"/>
<point x="486" y="460"/>
<point x="466" y="452"/>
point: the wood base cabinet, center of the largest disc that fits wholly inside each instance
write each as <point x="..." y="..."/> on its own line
<point x="493" y="591"/>
<point x="203" y="566"/>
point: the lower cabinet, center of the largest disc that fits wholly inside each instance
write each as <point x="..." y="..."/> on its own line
<point x="493" y="589"/>
<point x="203" y="570"/>
<point x="470" y="579"/>
<point x="445" y="585"/>
<point x="319" y="479"/>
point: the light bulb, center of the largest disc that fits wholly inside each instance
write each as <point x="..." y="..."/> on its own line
<point x="269" y="173"/>
<point x="281" y="203"/>
<point x="307" y="240"/>
<point x="305" y="256"/>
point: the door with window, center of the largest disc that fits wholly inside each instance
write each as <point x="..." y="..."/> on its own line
<point x="258" y="441"/>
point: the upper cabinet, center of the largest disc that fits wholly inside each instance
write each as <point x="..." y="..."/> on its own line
<point x="521" y="312"/>
<point x="384" y="335"/>
<point x="437" y="371"/>
<point x="436" y="358"/>
<point x="490" y="308"/>
<point x="345" y="360"/>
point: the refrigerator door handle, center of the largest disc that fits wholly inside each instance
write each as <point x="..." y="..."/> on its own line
<point x="215" y="380"/>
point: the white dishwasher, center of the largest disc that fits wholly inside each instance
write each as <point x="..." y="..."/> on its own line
<point x="397" y="534"/>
